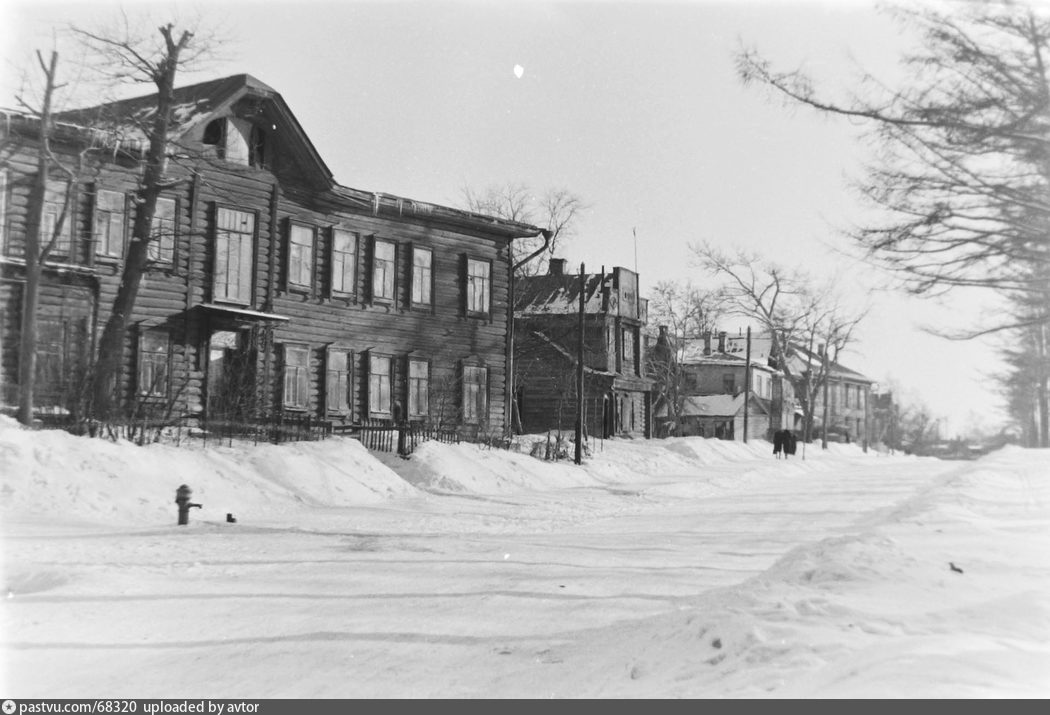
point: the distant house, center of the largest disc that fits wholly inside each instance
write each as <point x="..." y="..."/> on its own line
<point x="617" y="393"/>
<point x="272" y="289"/>
<point x="712" y="377"/>
<point x="849" y="392"/>
<point x="721" y="417"/>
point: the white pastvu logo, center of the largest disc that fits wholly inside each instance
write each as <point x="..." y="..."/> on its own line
<point x="9" y="707"/>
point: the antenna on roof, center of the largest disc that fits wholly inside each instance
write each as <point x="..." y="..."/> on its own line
<point x="634" y="232"/>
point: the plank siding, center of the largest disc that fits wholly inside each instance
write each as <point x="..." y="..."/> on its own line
<point x="178" y="298"/>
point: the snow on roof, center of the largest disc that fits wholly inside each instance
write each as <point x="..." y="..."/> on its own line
<point x="560" y="294"/>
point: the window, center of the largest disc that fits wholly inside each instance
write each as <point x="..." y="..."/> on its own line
<point x="3" y="208"/>
<point x="57" y="209"/>
<point x="422" y="275"/>
<point x="477" y="286"/>
<point x="418" y="388"/>
<point x="237" y="140"/>
<point x="296" y="376"/>
<point x="300" y="255"/>
<point x="379" y="393"/>
<point x="109" y="223"/>
<point x="848" y="397"/>
<point x="154" y="376"/>
<point x="162" y="232"/>
<point x="234" y="256"/>
<point x="344" y="261"/>
<point x="475" y="394"/>
<point x="629" y="364"/>
<point x="383" y="267"/>
<point x="337" y="380"/>
<point x="728" y="384"/>
<point x="51" y="357"/>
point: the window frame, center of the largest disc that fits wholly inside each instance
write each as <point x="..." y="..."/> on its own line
<point x="164" y="233"/>
<point x="64" y="245"/>
<point x="422" y="278"/>
<point x="728" y="383"/>
<point x="470" y="290"/>
<point x="375" y="295"/>
<point x="308" y="261"/>
<point x="299" y="399"/>
<point x="3" y="210"/>
<point x="146" y="386"/>
<point x="477" y="414"/>
<point x="98" y="210"/>
<point x="347" y="373"/>
<point x="376" y="411"/>
<point x="253" y="238"/>
<point x="412" y="406"/>
<point x="355" y="256"/>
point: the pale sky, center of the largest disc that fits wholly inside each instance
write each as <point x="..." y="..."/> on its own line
<point x="634" y="107"/>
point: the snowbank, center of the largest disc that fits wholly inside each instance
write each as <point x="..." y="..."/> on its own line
<point x="53" y="472"/>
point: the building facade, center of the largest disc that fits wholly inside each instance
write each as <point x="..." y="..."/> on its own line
<point x="617" y="392"/>
<point x="271" y="289"/>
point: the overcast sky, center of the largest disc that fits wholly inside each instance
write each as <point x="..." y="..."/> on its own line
<point x="635" y="107"/>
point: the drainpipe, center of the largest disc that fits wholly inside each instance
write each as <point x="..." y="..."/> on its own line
<point x="508" y="397"/>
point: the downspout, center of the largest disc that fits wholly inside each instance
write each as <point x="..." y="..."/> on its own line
<point x="508" y="397"/>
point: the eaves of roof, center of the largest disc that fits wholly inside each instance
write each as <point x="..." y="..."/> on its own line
<point x="197" y="103"/>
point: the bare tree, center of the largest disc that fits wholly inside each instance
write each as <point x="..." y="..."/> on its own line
<point x="38" y="245"/>
<point x="128" y="56"/>
<point x="681" y="311"/>
<point x="556" y="210"/>
<point x="962" y="167"/>
<point x="804" y="321"/>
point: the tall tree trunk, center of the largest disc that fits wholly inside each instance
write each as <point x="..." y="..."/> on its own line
<point x="107" y="381"/>
<point x="31" y="297"/>
<point x="1042" y="393"/>
<point x="35" y="253"/>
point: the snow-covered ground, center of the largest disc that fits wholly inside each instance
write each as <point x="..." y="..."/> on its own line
<point x="675" y="568"/>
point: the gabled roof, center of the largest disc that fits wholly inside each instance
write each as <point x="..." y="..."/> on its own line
<point x="549" y="294"/>
<point x="726" y="406"/>
<point x="196" y="104"/>
<point x="123" y="121"/>
<point x="762" y="347"/>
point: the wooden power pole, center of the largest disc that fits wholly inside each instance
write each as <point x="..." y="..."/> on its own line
<point x="579" y="370"/>
<point x="747" y="381"/>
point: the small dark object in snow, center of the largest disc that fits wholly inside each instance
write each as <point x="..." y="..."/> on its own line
<point x="560" y="586"/>
<point x="955" y="568"/>
<point x="231" y="519"/>
<point x="716" y="643"/>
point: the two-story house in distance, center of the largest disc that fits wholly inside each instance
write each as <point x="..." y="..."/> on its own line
<point x="617" y="393"/>
<point x="271" y="288"/>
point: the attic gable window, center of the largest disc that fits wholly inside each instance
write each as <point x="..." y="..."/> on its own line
<point x="237" y="141"/>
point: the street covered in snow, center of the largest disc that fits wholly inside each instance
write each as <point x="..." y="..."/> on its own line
<point x="681" y="568"/>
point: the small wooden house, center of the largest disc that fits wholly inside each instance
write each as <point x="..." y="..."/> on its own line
<point x="617" y="393"/>
<point x="271" y="289"/>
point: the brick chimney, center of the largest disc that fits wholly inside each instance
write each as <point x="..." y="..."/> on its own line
<point x="556" y="267"/>
<point x="722" y="342"/>
<point x="707" y="343"/>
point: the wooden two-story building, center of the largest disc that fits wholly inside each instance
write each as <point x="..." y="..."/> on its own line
<point x="271" y="289"/>
<point x="617" y="392"/>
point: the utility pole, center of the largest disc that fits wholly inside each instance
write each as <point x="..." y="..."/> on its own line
<point x="579" y="370"/>
<point x="747" y="381"/>
<point x="824" y="418"/>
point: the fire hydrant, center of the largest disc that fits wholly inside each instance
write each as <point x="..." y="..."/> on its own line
<point x="182" y="498"/>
